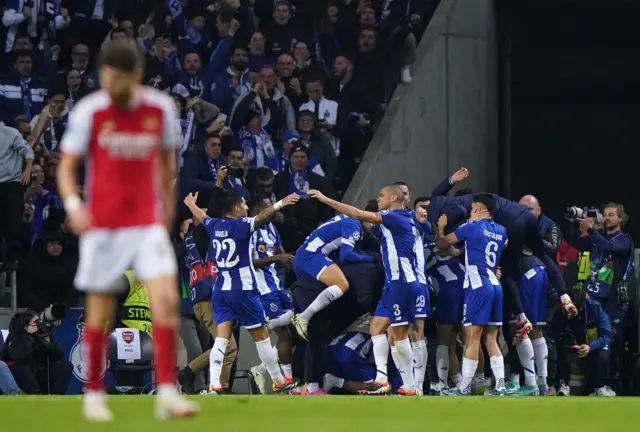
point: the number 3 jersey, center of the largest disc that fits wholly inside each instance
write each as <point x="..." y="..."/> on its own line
<point x="484" y="242"/>
<point x="232" y="249"/>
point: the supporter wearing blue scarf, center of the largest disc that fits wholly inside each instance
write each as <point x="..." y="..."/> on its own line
<point x="299" y="170"/>
<point x="258" y="147"/>
<point x="291" y="139"/>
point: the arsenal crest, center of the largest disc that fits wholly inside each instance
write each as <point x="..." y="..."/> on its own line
<point x="127" y="336"/>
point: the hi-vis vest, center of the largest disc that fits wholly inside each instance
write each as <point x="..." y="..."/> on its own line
<point x="584" y="264"/>
<point x="135" y="312"/>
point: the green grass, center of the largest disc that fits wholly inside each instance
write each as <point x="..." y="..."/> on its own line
<point x="334" y="414"/>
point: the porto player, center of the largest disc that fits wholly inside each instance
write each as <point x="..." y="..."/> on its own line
<point x="126" y="134"/>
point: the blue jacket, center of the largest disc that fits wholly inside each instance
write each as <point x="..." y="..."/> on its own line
<point x="12" y="103"/>
<point x="592" y="323"/>
<point x="223" y="95"/>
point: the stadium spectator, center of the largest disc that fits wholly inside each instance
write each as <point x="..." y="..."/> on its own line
<point x="48" y="126"/>
<point x="14" y="154"/>
<point x="281" y="32"/>
<point x="289" y="80"/>
<point x="305" y="216"/>
<point x="37" y="364"/>
<point x="22" y="93"/>
<point x="50" y="272"/>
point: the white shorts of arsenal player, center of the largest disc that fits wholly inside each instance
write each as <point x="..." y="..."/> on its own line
<point x="106" y="254"/>
<point x="121" y="149"/>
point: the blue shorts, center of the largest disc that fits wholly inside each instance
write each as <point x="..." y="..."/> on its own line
<point x="244" y="306"/>
<point x="482" y="306"/>
<point x="349" y="365"/>
<point x="398" y="302"/>
<point x="533" y="292"/>
<point x="311" y="263"/>
<point x="276" y="303"/>
<point x="449" y="304"/>
<point x="423" y="302"/>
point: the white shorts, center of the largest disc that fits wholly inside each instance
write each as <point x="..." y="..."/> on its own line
<point x="105" y="254"/>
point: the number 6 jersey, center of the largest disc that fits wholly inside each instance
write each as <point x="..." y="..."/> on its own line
<point x="484" y="242"/>
<point x="231" y="248"/>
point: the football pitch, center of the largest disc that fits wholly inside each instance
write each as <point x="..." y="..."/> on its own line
<point x="333" y="414"/>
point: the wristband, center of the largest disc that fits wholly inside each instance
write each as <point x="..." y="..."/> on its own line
<point x="72" y="203"/>
<point x="278" y="206"/>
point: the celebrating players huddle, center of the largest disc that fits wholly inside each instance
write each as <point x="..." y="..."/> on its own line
<point x="127" y="133"/>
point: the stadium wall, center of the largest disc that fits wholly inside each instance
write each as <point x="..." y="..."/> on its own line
<point x="448" y="116"/>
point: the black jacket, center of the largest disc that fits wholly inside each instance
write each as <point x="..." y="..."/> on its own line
<point x="24" y="348"/>
<point x="303" y="218"/>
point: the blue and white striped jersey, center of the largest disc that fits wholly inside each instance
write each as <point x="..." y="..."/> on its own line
<point x="332" y="235"/>
<point x="232" y="250"/>
<point x="398" y="237"/>
<point x="265" y="241"/>
<point x="446" y="271"/>
<point x="484" y="242"/>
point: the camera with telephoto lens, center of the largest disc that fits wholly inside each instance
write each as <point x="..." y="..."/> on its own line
<point x="51" y="314"/>
<point x="234" y="171"/>
<point x="574" y="212"/>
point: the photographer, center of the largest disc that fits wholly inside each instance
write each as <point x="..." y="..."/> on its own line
<point x="611" y="254"/>
<point x="588" y="335"/>
<point x="39" y="366"/>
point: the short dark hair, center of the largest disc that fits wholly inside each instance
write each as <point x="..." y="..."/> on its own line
<point x="235" y="48"/>
<point x="56" y="91"/>
<point x="264" y="173"/>
<point x="486" y="199"/>
<point x="268" y="66"/>
<point x="463" y="191"/>
<point x="400" y="183"/>
<point x="421" y="198"/>
<point x="256" y="202"/>
<point x="213" y="135"/>
<point x="230" y="199"/>
<point x="372" y="206"/>
<point x="123" y="56"/>
<point x="236" y="148"/>
<point x="21" y="53"/>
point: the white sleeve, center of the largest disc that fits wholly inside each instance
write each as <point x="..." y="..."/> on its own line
<point x="170" y="139"/>
<point x="78" y="134"/>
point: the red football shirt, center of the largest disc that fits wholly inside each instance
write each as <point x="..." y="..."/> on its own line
<point x="122" y="148"/>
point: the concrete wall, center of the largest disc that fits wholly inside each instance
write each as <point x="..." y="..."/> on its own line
<point x="448" y="116"/>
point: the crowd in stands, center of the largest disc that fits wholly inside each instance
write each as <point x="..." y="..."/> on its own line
<point x="287" y="94"/>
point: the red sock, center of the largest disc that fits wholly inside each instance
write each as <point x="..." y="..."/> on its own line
<point x="95" y="341"/>
<point x="164" y="354"/>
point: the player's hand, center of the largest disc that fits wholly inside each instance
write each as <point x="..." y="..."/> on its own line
<point x="477" y="215"/>
<point x="569" y="308"/>
<point x="583" y="351"/>
<point x="460" y="175"/>
<point x="421" y="215"/>
<point x="585" y="224"/>
<point x="285" y="260"/>
<point x="317" y="195"/>
<point x="290" y="199"/>
<point x="191" y="199"/>
<point x="79" y="220"/>
<point x="443" y="220"/>
<point x="499" y="273"/>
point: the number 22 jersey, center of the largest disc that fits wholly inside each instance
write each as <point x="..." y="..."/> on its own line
<point x="231" y="249"/>
<point x="484" y="242"/>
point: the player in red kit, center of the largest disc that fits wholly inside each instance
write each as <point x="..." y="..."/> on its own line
<point x="126" y="135"/>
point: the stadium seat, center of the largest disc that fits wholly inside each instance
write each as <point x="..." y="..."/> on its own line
<point x="129" y="375"/>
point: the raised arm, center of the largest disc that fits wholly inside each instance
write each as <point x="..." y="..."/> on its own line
<point x="444" y="241"/>
<point x="265" y="215"/>
<point x="198" y="213"/>
<point x="346" y="209"/>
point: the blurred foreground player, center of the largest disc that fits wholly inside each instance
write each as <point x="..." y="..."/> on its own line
<point x="127" y="135"/>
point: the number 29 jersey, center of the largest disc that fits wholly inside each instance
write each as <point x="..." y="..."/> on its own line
<point x="484" y="242"/>
<point x="232" y="248"/>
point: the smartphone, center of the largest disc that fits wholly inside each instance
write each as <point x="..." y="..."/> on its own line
<point x="222" y="117"/>
<point x="575" y="347"/>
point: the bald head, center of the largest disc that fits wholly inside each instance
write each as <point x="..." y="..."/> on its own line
<point x="390" y="197"/>
<point x="531" y="202"/>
